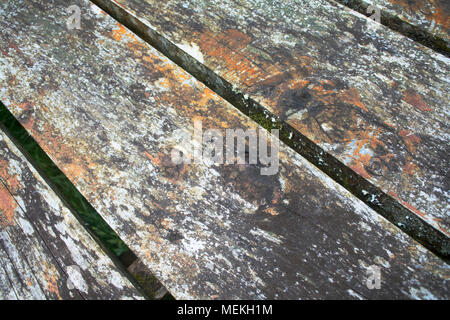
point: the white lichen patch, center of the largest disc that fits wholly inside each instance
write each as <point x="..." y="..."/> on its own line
<point x="192" y="49"/>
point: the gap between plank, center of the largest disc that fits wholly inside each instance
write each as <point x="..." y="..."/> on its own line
<point x="66" y="191"/>
<point x="407" y="29"/>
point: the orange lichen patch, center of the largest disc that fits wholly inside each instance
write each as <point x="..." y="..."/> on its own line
<point x="206" y="97"/>
<point x="51" y="280"/>
<point x="12" y="181"/>
<point x="272" y="211"/>
<point x="122" y="32"/>
<point x="273" y="79"/>
<point x="13" y="184"/>
<point x="236" y="39"/>
<point x="415" y="100"/>
<point x="359" y="168"/>
<point x="4" y="168"/>
<point x="164" y="82"/>
<point x="410" y="167"/>
<point x="362" y="159"/>
<point x="298" y="83"/>
<point x="410" y="6"/>
<point x="181" y="75"/>
<point x="7" y="208"/>
<point x="320" y="89"/>
<point x="387" y="157"/>
<point x="167" y="223"/>
<point x="25" y="105"/>
<point x="75" y="171"/>
<point x="306" y="62"/>
<point x="351" y="96"/>
<point x="389" y="124"/>
<point x="441" y="14"/>
<point x="155" y="160"/>
<point x="29" y="123"/>
<point x="148" y="59"/>
<point x="239" y="66"/>
<point x="136" y="47"/>
<point x="52" y="143"/>
<point x="210" y="95"/>
<point x="411" y="140"/>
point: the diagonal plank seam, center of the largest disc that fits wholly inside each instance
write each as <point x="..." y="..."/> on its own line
<point x="407" y="29"/>
<point x="7" y="276"/>
<point x="384" y="204"/>
<point x="13" y="123"/>
<point x="59" y="266"/>
<point x="14" y="269"/>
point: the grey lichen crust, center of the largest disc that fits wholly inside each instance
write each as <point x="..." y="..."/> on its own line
<point x="108" y="109"/>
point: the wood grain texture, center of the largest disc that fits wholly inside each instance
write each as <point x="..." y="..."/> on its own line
<point x="46" y="253"/>
<point x="374" y="100"/>
<point x="108" y="109"/>
<point x="431" y="16"/>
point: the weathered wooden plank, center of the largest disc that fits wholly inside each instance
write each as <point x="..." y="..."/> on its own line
<point x="18" y="269"/>
<point x="34" y="266"/>
<point x="430" y="17"/>
<point x="50" y="254"/>
<point x="12" y="288"/>
<point x="6" y="288"/>
<point x="108" y="109"/>
<point x="370" y="99"/>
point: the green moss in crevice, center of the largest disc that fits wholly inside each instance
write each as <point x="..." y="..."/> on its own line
<point x="61" y="184"/>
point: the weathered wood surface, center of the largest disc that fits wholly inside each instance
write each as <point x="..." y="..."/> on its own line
<point x="373" y="99"/>
<point x="431" y="16"/>
<point x="108" y="109"/>
<point x="45" y="253"/>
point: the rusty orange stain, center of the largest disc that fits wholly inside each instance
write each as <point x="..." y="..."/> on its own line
<point x="272" y="211"/>
<point x="441" y="15"/>
<point x="410" y="167"/>
<point x="236" y="39"/>
<point x="359" y="168"/>
<point x="7" y="208"/>
<point x="362" y="160"/>
<point x="226" y="48"/>
<point x="351" y="96"/>
<point x="415" y="100"/>
<point x="13" y="184"/>
<point x="389" y="124"/>
<point x="50" y="278"/>
<point x="155" y="160"/>
<point x="53" y="144"/>
<point x="410" y="139"/>
<point x="119" y="34"/>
